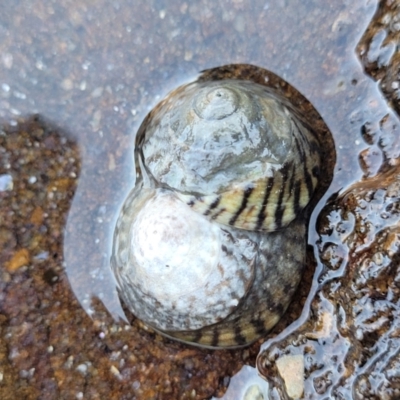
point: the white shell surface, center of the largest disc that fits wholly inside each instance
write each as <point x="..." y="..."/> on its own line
<point x="179" y="270"/>
<point x="217" y="134"/>
<point x="234" y="151"/>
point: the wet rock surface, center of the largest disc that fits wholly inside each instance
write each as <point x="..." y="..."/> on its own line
<point x="351" y="339"/>
<point x="378" y="50"/>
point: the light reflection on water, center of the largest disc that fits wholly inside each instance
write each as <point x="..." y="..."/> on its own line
<point x="322" y="65"/>
<point x="316" y="55"/>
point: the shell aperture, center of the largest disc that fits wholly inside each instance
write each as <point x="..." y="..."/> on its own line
<point x="209" y="246"/>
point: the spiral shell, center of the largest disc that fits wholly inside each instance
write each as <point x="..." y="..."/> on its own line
<point x="234" y="153"/>
<point x="200" y="281"/>
<point x="200" y="251"/>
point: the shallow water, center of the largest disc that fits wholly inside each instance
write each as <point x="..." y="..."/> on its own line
<point x="333" y="82"/>
<point x="96" y="69"/>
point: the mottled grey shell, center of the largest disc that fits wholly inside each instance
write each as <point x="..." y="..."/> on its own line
<point x="200" y="251"/>
<point x="200" y="281"/>
<point x="234" y="152"/>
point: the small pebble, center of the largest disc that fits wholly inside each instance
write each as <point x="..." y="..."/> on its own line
<point x="6" y="183"/>
<point x="253" y="393"/>
<point x="291" y="369"/>
<point x="19" y="259"/>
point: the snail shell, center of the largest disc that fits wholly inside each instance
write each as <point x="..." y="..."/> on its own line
<point x="200" y="281"/>
<point x="233" y="152"/>
<point x="199" y="252"/>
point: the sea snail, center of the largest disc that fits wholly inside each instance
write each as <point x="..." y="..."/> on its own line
<point x="209" y="246"/>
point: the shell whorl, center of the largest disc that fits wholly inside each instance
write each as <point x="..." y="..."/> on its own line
<point x="200" y="281"/>
<point x="233" y="153"/>
<point x="157" y="240"/>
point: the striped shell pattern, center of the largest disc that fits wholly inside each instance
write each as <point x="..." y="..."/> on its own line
<point x="209" y="246"/>
<point x="235" y="154"/>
